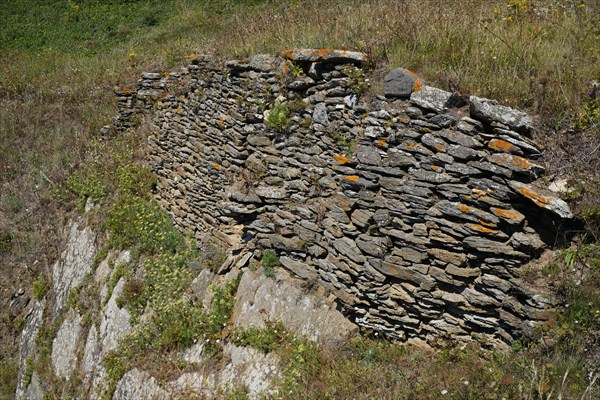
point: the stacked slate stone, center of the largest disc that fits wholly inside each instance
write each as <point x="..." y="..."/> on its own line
<point x="415" y="210"/>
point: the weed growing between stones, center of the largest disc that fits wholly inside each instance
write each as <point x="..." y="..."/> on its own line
<point x="269" y="262"/>
<point x="279" y="117"/>
<point x="358" y="81"/>
<point x="293" y="69"/>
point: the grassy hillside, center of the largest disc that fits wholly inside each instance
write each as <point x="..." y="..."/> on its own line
<point x="59" y="61"/>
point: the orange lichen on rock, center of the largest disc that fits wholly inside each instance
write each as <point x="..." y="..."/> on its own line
<point x="166" y="73"/>
<point x="381" y="143"/>
<point x="479" y="228"/>
<point x="440" y="147"/>
<point x="505" y="160"/>
<point x="288" y="54"/>
<point x="537" y="199"/>
<point x="436" y="168"/>
<point x="481" y="193"/>
<point x="507" y="214"/>
<point x="352" y="178"/>
<point x="501" y="145"/>
<point x="322" y="52"/>
<point x="485" y="223"/>
<point x="410" y="72"/>
<point x="126" y="90"/>
<point x="464" y="208"/>
<point x="521" y="162"/>
<point x="342" y="159"/>
<point x="216" y="166"/>
<point x="192" y="57"/>
<point x="410" y="146"/>
<point x="418" y="85"/>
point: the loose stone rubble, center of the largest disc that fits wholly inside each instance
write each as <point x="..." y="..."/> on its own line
<point x="415" y="214"/>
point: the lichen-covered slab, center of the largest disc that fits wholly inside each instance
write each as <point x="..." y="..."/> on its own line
<point x="490" y="111"/>
<point x="325" y="55"/>
<point x="543" y="198"/>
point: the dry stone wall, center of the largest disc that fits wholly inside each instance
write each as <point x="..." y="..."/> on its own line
<point x="415" y="212"/>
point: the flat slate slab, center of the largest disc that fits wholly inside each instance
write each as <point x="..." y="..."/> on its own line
<point x="401" y="83"/>
<point x="325" y="55"/>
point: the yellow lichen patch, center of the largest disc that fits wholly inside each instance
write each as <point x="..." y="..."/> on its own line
<point x="410" y="146"/>
<point x="381" y="143"/>
<point x="352" y="178"/>
<point x="216" y="166"/>
<point x="426" y="130"/>
<point x="166" y="73"/>
<point x="418" y="85"/>
<point x="501" y="145"/>
<point x="179" y="110"/>
<point x="464" y="208"/>
<point x="192" y="57"/>
<point x="537" y="199"/>
<point x="342" y="159"/>
<point x="404" y="120"/>
<point x="436" y="168"/>
<point x="440" y="147"/>
<point x="479" y="228"/>
<point x="505" y="213"/>
<point x="221" y="121"/>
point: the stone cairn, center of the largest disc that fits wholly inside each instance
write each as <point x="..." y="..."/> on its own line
<point x="415" y="209"/>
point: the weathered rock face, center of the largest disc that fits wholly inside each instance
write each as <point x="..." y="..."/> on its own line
<point x="416" y="215"/>
<point x="74" y="263"/>
<point x="27" y="348"/>
<point x="261" y="299"/>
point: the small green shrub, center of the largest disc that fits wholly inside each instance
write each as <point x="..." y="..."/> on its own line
<point x="40" y="288"/>
<point x="6" y="241"/>
<point x="119" y="272"/>
<point x="9" y="370"/>
<point x="28" y="372"/>
<point x="222" y="306"/>
<point x="279" y="116"/>
<point x="173" y="322"/>
<point x="358" y="82"/>
<point x="266" y="339"/>
<point x="87" y="183"/>
<point x="294" y="69"/>
<point x="269" y="262"/>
